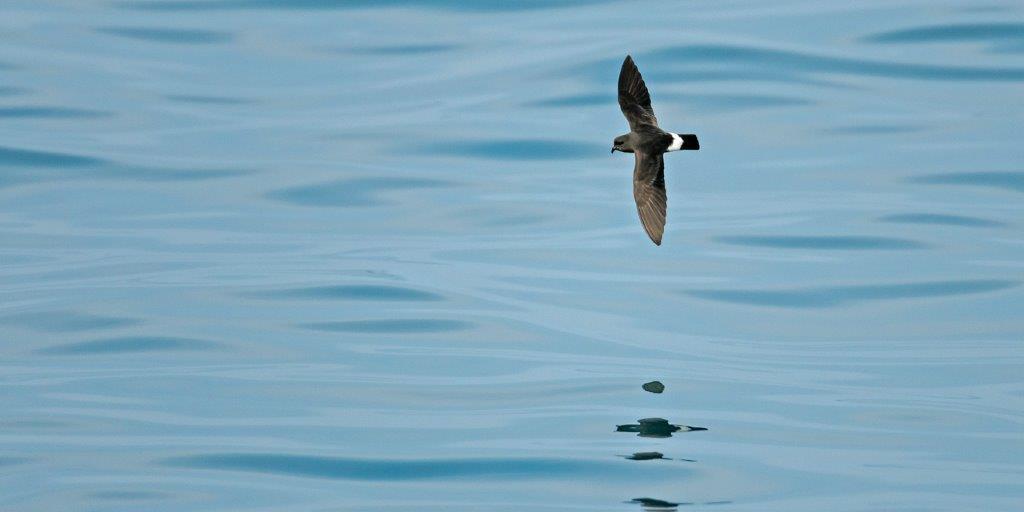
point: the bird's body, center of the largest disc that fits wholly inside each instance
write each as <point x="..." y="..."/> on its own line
<point x="648" y="143"/>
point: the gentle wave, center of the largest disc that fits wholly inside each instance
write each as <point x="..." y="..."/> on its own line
<point x="353" y="292"/>
<point x="942" y="219"/>
<point x="1013" y="181"/>
<point x="352" y="193"/>
<point x="484" y="5"/>
<point x="393" y="470"/>
<point x="168" y="35"/>
<point x="395" y="326"/>
<point x="836" y="242"/>
<point x="131" y="344"/>
<point x="832" y="296"/>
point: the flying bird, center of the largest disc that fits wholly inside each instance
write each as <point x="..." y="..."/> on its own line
<point x="648" y="143"/>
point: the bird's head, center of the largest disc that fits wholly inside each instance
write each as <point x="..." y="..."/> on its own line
<point x="622" y="143"/>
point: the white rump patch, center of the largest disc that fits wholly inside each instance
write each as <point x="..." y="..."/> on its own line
<point x="677" y="143"/>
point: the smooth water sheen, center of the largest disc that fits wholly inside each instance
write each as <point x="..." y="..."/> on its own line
<point x="331" y="255"/>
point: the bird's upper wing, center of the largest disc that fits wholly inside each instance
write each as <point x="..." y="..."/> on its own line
<point x="634" y="100"/>
<point x="649" y="193"/>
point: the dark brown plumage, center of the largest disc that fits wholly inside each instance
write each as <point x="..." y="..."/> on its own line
<point x="634" y="99"/>
<point x="648" y="143"/>
<point x="649" y="193"/>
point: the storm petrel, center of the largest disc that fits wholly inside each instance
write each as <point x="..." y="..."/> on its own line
<point x="648" y="143"/>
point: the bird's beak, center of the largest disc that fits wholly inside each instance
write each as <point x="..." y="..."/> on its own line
<point x="613" y="149"/>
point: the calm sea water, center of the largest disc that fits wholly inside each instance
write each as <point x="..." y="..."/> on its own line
<point x="326" y="255"/>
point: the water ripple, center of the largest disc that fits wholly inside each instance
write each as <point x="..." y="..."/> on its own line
<point x="67" y="321"/>
<point x="168" y="35"/>
<point x="32" y="158"/>
<point x="518" y="149"/>
<point x="395" y="326"/>
<point x="1005" y="180"/>
<point x="58" y="163"/>
<point x="942" y="220"/>
<point x="128" y="495"/>
<point x="406" y="49"/>
<point x="576" y="100"/>
<point x="137" y="173"/>
<point x="207" y="100"/>
<point x="387" y="470"/>
<point x="989" y="32"/>
<point x="50" y="113"/>
<point x="351" y="193"/>
<point x="737" y="102"/>
<point x="129" y="345"/>
<point x="832" y="296"/>
<point x="822" y="242"/>
<point x="481" y="5"/>
<point x="12" y="461"/>
<point x="354" y="292"/>
<point x="874" y="129"/>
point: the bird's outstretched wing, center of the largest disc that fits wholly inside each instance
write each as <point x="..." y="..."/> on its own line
<point x="634" y="100"/>
<point x="649" y="193"/>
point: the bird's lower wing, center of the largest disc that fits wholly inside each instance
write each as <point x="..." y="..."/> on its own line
<point x="649" y="193"/>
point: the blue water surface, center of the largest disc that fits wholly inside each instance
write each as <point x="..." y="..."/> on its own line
<point x="330" y="255"/>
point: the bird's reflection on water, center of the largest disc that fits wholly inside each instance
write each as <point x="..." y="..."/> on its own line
<point x="653" y="504"/>
<point x="646" y="456"/>
<point x="652" y="456"/>
<point x="658" y="428"/>
<point x="655" y="427"/>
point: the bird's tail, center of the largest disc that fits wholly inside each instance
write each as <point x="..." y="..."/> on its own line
<point x="689" y="141"/>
